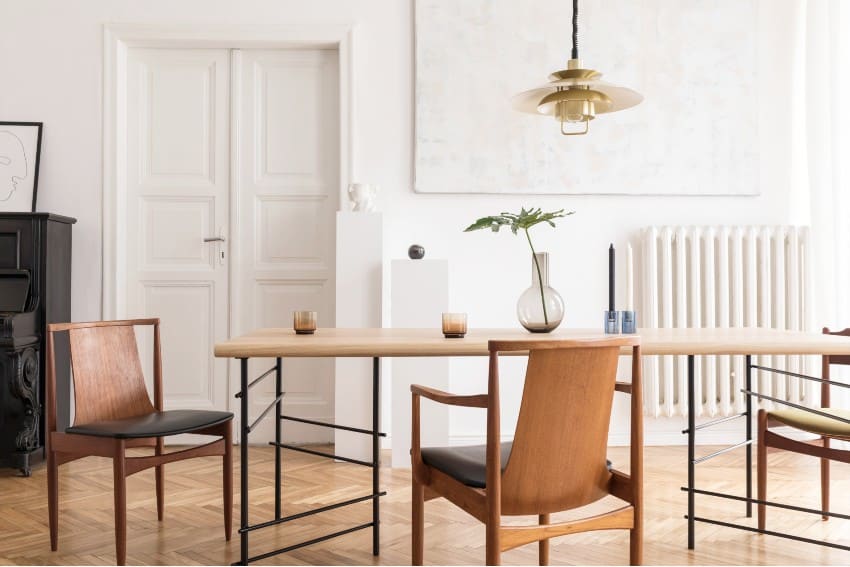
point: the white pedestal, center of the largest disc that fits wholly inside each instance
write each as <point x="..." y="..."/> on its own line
<point x="359" y="259"/>
<point x="420" y="294"/>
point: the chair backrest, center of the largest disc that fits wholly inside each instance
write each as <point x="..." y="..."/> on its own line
<point x="836" y="358"/>
<point x="107" y="373"/>
<point x="558" y="459"/>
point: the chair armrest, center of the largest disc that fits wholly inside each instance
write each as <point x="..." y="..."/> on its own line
<point x="625" y="387"/>
<point x="472" y="401"/>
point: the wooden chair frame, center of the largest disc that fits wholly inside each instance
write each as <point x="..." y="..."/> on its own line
<point x="768" y="438"/>
<point x="65" y="447"/>
<point x="486" y="504"/>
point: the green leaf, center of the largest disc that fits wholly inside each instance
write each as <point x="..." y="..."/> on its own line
<point x="526" y="219"/>
<point x="493" y="223"/>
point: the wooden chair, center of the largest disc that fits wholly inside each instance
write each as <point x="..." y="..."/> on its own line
<point x="113" y="412"/>
<point x="557" y="460"/>
<point x="800" y="419"/>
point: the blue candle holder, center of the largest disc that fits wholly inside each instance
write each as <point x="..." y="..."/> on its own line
<point x="629" y="322"/>
<point x="612" y="322"/>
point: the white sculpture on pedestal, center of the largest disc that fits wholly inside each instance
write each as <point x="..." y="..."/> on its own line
<point x="362" y="197"/>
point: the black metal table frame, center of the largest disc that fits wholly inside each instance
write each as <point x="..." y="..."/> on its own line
<point x="277" y="404"/>
<point x="691" y="489"/>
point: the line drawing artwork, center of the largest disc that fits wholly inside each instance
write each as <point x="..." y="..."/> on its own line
<point x="14" y="167"/>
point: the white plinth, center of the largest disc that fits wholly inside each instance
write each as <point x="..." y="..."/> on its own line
<point x="359" y="260"/>
<point x="420" y="294"/>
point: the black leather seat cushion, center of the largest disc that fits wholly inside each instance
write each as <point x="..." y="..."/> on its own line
<point x="156" y="424"/>
<point x="466" y="464"/>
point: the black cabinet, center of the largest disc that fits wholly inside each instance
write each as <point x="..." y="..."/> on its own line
<point x="35" y="289"/>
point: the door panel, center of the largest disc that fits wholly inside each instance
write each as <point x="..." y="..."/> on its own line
<point x="287" y="186"/>
<point x="181" y="94"/>
<point x="179" y="246"/>
<point x="177" y="195"/>
<point x="290" y="148"/>
<point x="192" y="377"/>
<point x="287" y="234"/>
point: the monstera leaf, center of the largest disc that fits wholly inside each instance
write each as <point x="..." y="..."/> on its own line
<point x="522" y="221"/>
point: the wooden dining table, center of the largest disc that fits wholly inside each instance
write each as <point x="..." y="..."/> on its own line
<point x="380" y="343"/>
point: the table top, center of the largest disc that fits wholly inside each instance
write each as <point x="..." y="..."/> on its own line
<point x="430" y="342"/>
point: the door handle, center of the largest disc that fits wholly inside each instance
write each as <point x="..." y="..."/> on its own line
<point x="214" y="239"/>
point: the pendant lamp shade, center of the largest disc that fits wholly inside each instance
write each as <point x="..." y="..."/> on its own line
<point x="613" y="97"/>
<point x="575" y="95"/>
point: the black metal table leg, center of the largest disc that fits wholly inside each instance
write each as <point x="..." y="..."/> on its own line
<point x="243" y="462"/>
<point x="278" y="423"/>
<point x="749" y="417"/>
<point x="747" y="443"/>
<point x="376" y="455"/>
<point x="691" y="454"/>
<point x="277" y="404"/>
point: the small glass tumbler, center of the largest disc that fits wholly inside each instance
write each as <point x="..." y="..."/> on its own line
<point x="454" y="325"/>
<point x="304" y="322"/>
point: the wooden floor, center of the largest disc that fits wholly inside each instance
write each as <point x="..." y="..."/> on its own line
<point x="192" y="532"/>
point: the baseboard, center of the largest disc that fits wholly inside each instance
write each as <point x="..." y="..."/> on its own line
<point x="661" y="433"/>
<point x="657" y="432"/>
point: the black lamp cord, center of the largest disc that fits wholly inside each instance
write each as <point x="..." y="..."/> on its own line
<point x="575" y="29"/>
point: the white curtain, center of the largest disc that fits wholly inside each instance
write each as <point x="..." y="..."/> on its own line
<point x="827" y="158"/>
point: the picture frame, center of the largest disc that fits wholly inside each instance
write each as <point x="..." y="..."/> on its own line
<point x="20" y="159"/>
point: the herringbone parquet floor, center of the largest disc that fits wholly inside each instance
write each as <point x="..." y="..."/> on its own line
<point x="192" y="531"/>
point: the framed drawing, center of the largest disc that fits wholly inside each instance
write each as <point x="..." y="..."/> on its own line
<point x="20" y="154"/>
<point x="473" y="56"/>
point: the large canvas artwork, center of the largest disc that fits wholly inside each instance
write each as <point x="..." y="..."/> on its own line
<point x="694" y="62"/>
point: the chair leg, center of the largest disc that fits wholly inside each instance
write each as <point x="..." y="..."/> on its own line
<point x="761" y="458"/>
<point x="53" y="499"/>
<point x="824" y="482"/>
<point x="227" y="464"/>
<point x="494" y="554"/>
<point x="543" y="544"/>
<point x="159" y="473"/>
<point x="636" y="538"/>
<point x="418" y="521"/>
<point x="493" y="541"/>
<point x="120" y="490"/>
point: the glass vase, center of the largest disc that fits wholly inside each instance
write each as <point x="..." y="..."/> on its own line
<point x="540" y="308"/>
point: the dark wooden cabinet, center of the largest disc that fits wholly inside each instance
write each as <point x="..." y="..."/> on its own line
<point x="35" y="289"/>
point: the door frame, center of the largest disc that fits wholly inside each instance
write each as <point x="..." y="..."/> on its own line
<point x="118" y="38"/>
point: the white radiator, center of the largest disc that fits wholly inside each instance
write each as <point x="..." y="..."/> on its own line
<point x="726" y="276"/>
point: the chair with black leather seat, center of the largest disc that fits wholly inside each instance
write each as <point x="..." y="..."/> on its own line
<point x="557" y="460"/>
<point x="817" y="423"/>
<point x="113" y="412"/>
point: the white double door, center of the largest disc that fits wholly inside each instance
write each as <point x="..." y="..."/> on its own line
<point x="232" y="183"/>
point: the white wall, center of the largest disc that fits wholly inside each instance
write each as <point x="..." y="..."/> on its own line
<point x="51" y="68"/>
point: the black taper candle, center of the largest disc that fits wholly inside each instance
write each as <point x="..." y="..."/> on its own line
<point x="611" y="277"/>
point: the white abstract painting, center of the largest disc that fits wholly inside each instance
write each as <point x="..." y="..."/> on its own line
<point x="694" y="61"/>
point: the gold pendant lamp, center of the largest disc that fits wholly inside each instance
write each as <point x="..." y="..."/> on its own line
<point x="574" y="95"/>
